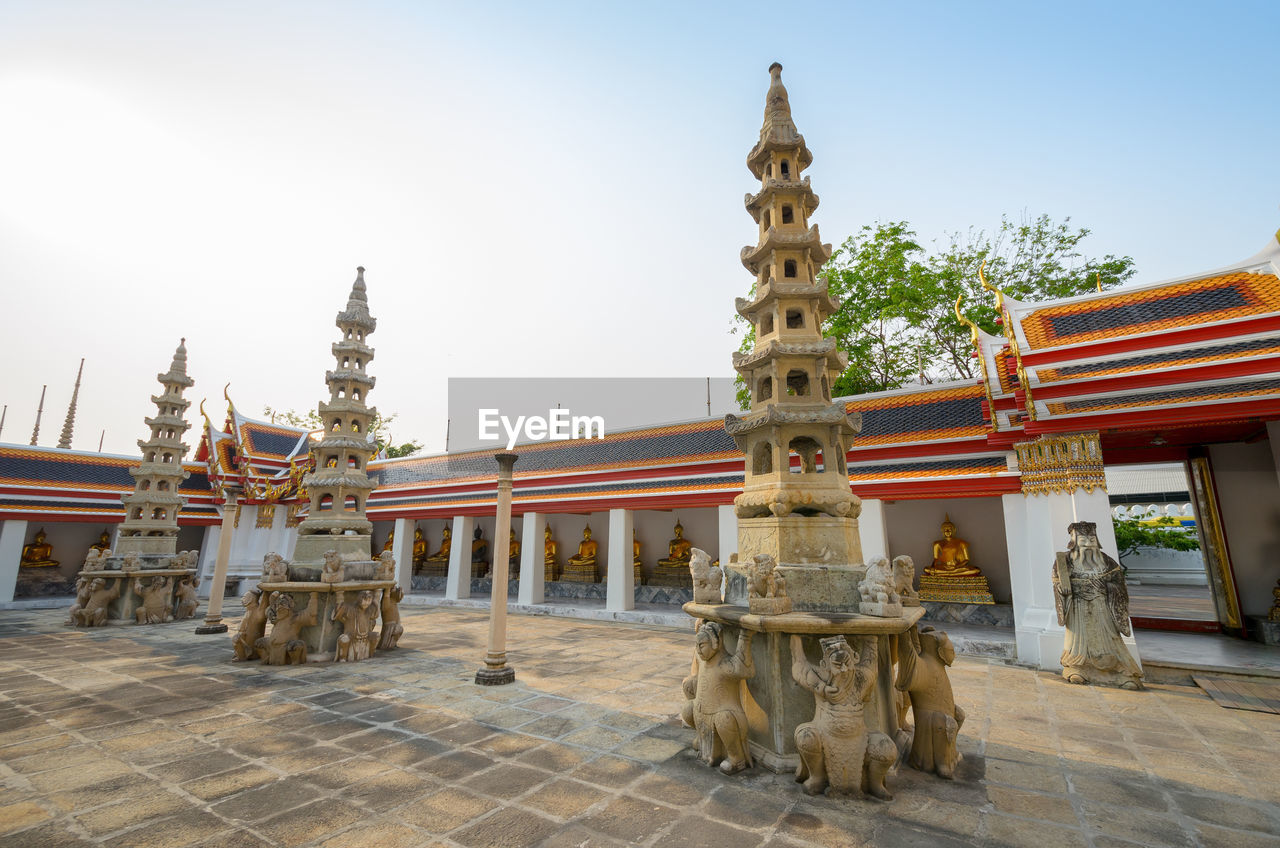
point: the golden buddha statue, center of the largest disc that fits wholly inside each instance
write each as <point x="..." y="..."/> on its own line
<point x="674" y="570"/>
<point x="550" y="568"/>
<point x="950" y="554"/>
<point x="952" y="577"/>
<point x="479" y="553"/>
<point x="637" y="565"/>
<point x="581" y="567"/>
<point x="419" y="548"/>
<point x="38" y="553"/>
<point x="442" y="555"/>
<point x="391" y="540"/>
<point x="513" y="554"/>
<point x="103" y="543"/>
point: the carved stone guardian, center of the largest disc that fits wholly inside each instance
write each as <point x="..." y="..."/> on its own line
<point x="157" y="600"/>
<point x="879" y="597"/>
<point x="715" y="711"/>
<point x="274" y="569"/>
<point x="767" y="588"/>
<point x="94" y="611"/>
<point x="707" y="578"/>
<point x="392" y="629"/>
<point x="838" y="754"/>
<point x="283" y="646"/>
<point x="187" y="599"/>
<point x="923" y="658"/>
<point x="904" y="576"/>
<point x="386" y="569"/>
<point x="253" y="626"/>
<point x="333" y="571"/>
<point x="1093" y="605"/>
<point x="358" y="618"/>
<point x="82" y="597"/>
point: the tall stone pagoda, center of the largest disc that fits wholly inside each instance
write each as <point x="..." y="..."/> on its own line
<point x="151" y="511"/>
<point x="147" y="580"/>
<point x="799" y="608"/>
<point x="796" y="505"/>
<point x="339" y="486"/>
<point x="325" y="604"/>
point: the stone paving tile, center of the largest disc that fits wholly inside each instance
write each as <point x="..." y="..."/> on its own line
<point x="152" y="736"/>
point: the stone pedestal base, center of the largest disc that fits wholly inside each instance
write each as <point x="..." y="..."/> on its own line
<point x="955" y="590"/>
<point x="800" y="539"/>
<point x="496" y="676"/>
<point x="811" y="588"/>
<point x="322" y="637"/>
<point x="311" y="549"/>
<point x="580" y="573"/>
<point x="1264" y="630"/>
<point x="880" y="610"/>
<point x="672" y="575"/>
<point x="433" y="569"/>
<point x="206" y="629"/>
<point x="774" y="704"/>
<point x="769" y="606"/>
<point x="123" y="608"/>
<point x="43" y="582"/>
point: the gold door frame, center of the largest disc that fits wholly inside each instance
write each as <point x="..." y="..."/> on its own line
<point x="1204" y="496"/>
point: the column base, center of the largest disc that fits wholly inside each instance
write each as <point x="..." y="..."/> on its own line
<point x="207" y="628"/>
<point x="495" y="676"/>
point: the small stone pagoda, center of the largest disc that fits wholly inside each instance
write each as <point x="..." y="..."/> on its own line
<point x="146" y="579"/>
<point x="325" y="604"/>
<point x="817" y="636"/>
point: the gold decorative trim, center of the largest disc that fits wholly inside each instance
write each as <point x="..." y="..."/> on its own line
<point x="294" y="517"/>
<point x="266" y="515"/>
<point x="1061" y="464"/>
<point x="1023" y="382"/>
<point x="1204" y="491"/>
<point x="982" y="363"/>
<point x="235" y="512"/>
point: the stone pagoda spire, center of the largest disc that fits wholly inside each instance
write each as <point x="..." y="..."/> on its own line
<point x="340" y="484"/>
<point x="69" y="425"/>
<point x="796" y="504"/>
<point x="151" y="511"/>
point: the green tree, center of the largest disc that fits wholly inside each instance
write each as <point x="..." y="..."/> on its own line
<point x="1164" y="532"/>
<point x="896" y="319"/>
<point x="380" y="426"/>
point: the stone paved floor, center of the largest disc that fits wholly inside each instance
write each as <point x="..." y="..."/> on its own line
<point x="152" y="737"/>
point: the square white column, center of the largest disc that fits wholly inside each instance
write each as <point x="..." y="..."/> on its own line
<point x="532" y="554"/>
<point x="873" y="530"/>
<point x="12" y="537"/>
<point x="620" y="593"/>
<point x="402" y="548"/>
<point x="208" y="559"/>
<point x="727" y="535"/>
<point x="458" y="583"/>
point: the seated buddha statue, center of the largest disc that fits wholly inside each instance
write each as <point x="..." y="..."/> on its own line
<point x="951" y="554"/>
<point x="637" y="565"/>
<point x="550" y="568"/>
<point x="679" y="551"/>
<point x="419" y="549"/>
<point x="479" y="552"/>
<point x="39" y="553"/>
<point x="391" y="540"/>
<point x="103" y="543"/>
<point x="442" y="555"/>
<point x="582" y="565"/>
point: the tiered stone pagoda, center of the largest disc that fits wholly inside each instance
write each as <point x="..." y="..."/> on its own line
<point x="325" y="604"/>
<point x="796" y="505"/>
<point x="146" y="576"/>
<point x="812" y="630"/>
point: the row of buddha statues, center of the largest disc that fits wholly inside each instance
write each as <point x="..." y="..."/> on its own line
<point x="581" y="567"/>
<point x="38" y="553"/>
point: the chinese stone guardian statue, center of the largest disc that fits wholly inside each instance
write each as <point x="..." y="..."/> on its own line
<point x="392" y="629"/>
<point x="157" y="600"/>
<point x="358" y="618"/>
<point x="1093" y="606"/>
<point x="282" y="646"/>
<point x="253" y="626"/>
<point x="838" y="755"/>
<point x="94" y="611"/>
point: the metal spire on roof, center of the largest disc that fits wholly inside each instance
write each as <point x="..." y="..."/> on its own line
<point x="35" y="433"/>
<point x="68" y="426"/>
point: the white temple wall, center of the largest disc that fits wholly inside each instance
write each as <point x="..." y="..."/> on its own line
<point x="914" y="525"/>
<point x="1249" y="497"/>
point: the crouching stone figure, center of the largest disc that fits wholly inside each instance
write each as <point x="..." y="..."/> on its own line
<point x="715" y="708"/>
<point x="283" y="645"/>
<point x="838" y="754"/>
<point x="923" y="658"/>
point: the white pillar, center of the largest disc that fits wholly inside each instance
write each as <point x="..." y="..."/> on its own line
<point x="208" y="558"/>
<point x="213" y="622"/>
<point x="532" y="554"/>
<point x="13" y="535"/>
<point x="727" y="523"/>
<point x="872" y="530"/>
<point x="620" y="593"/>
<point x="402" y="549"/>
<point x="458" y="583"/>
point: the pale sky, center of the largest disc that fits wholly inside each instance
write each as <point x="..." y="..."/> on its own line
<point x="555" y="189"/>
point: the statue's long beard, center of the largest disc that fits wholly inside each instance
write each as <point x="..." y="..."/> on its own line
<point x="1091" y="559"/>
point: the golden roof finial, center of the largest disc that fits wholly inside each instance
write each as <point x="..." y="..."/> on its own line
<point x="1099" y="282"/>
